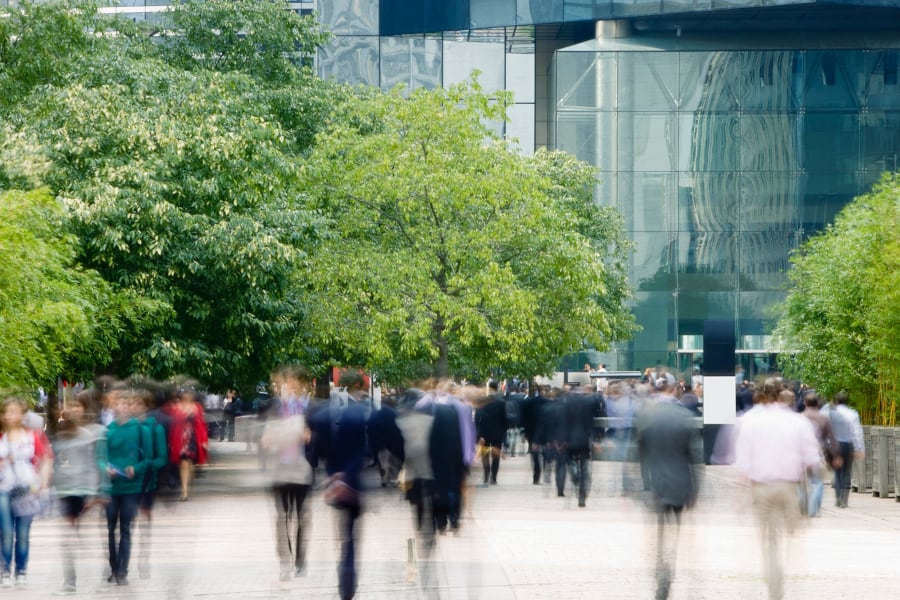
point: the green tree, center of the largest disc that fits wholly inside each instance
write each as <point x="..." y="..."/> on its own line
<point x="54" y="317"/>
<point x="454" y="253"/>
<point x="841" y="318"/>
<point x="182" y="181"/>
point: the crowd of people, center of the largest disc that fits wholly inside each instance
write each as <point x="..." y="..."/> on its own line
<point x="117" y="443"/>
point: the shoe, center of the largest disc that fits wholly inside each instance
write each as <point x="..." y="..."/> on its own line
<point x="184" y="498"/>
<point x="111" y="579"/>
<point x="560" y="495"/>
<point x="284" y="575"/>
<point x="299" y="571"/>
<point x="66" y="590"/>
<point x="5" y="579"/>
<point x="122" y="580"/>
<point x="20" y="580"/>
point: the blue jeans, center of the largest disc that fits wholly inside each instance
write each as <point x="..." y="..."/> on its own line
<point x="814" y="489"/>
<point x="13" y="528"/>
<point x="122" y="508"/>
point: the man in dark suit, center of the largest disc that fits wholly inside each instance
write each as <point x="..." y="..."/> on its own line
<point x="580" y="408"/>
<point x="532" y="408"/>
<point x="490" y="424"/>
<point x="671" y="454"/>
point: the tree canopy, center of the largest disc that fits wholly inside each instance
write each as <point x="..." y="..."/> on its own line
<point x="841" y="318"/>
<point x="181" y="177"/>
<point x="219" y="210"/>
<point x="454" y="253"/>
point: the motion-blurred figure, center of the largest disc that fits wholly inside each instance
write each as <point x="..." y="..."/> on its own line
<point x="775" y="447"/>
<point x="187" y="435"/>
<point x="851" y="445"/>
<point x="347" y="448"/>
<point x="76" y="476"/>
<point x="532" y="408"/>
<point x="579" y="410"/>
<point x="285" y="438"/>
<point x="490" y="423"/>
<point x="828" y="445"/>
<point x="672" y="459"/>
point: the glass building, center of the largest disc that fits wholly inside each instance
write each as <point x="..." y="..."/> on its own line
<point x="726" y="131"/>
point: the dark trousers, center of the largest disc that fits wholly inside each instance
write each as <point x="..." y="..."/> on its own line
<point x="580" y="465"/>
<point x="347" y="566"/>
<point x="668" y="525"/>
<point x="842" y="475"/>
<point x="289" y="523"/>
<point x="490" y="462"/>
<point x="121" y="509"/>
<point x="536" y="457"/>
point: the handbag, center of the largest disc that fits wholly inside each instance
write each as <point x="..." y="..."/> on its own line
<point x="24" y="502"/>
<point x="339" y="494"/>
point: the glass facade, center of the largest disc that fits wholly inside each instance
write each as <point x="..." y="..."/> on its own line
<point x="723" y="161"/>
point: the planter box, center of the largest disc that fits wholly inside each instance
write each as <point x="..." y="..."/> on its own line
<point x="861" y="476"/>
<point x="884" y="461"/>
<point x="896" y="461"/>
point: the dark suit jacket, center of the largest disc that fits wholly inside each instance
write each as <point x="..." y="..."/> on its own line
<point x="490" y="421"/>
<point x="671" y="453"/>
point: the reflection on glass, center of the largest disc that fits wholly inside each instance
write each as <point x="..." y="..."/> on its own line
<point x="349" y="17"/>
<point x="410" y="61"/>
<point x="350" y="59"/>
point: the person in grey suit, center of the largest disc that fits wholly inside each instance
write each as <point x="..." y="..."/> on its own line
<point x="672" y="457"/>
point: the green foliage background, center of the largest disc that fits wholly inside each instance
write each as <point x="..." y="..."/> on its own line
<point x="842" y="315"/>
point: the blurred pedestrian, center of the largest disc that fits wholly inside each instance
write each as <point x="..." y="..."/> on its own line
<point x="828" y="446"/>
<point x="775" y="447"/>
<point x="284" y="439"/>
<point x="671" y="457"/>
<point x="26" y="463"/>
<point x="188" y="438"/>
<point x="345" y="460"/>
<point x="490" y="424"/>
<point x="851" y="445"/>
<point x="128" y="449"/>
<point x="76" y="476"/>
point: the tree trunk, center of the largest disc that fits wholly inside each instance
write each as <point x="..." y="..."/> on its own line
<point x="442" y="366"/>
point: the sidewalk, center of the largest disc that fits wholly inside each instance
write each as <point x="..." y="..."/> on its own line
<point x="518" y="541"/>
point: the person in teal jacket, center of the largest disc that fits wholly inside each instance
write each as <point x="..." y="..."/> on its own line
<point x="128" y="455"/>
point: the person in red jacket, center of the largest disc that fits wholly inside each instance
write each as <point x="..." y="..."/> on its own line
<point x="188" y="437"/>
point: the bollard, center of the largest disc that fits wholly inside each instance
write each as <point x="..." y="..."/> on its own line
<point x="411" y="560"/>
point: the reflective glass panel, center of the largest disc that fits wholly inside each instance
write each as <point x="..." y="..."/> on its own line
<point x="764" y="258"/>
<point x="768" y="199"/>
<point x="648" y="81"/>
<point x="586" y="79"/>
<point x="462" y="58"/>
<point x="832" y="141"/>
<point x="715" y="142"/>
<point x="411" y="61"/>
<point x="834" y="80"/>
<point x="492" y="13"/>
<point x="350" y="59"/>
<point x="648" y="201"/>
<point x="357" y="17"/>
<point x="881" y="140"/>
<point x="648" y="141"/>
<point x="770" y="141"/>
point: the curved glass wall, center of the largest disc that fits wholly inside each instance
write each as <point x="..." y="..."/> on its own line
<point x="722" y="161"/>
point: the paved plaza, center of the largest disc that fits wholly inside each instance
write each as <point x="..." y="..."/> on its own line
<point x="518" y="541"/>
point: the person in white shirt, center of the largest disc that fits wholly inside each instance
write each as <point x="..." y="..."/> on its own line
<point x="775" y="447"/>
<point x="849" y="434"/>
